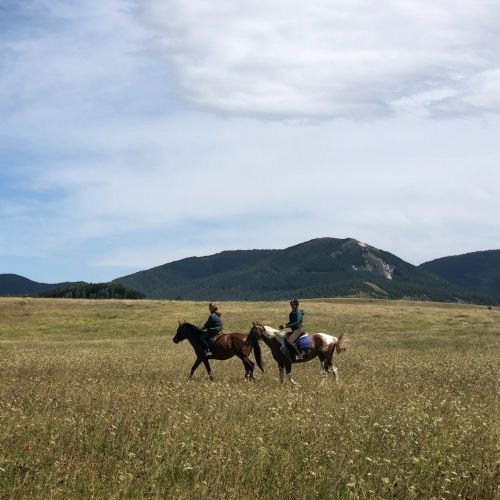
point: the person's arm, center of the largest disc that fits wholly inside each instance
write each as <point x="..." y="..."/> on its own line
<point x="294" y="320"/>
<point x="208" y="323"/>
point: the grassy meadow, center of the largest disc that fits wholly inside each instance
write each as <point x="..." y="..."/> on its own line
<point x="95" y="402"/>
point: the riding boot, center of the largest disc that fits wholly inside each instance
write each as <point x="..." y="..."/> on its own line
<point x="208" y="352"/>
<point x="298" y="355"/>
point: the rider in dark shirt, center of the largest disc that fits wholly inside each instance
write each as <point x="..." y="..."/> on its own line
<point x="212" y="327"/>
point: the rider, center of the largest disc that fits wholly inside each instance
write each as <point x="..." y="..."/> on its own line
<point x="212" y="327"/>
<point x="296" y="323"/>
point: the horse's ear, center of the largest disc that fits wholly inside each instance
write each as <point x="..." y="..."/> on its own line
<point x="253" y="322"/>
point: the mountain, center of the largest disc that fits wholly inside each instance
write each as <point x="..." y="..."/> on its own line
<point x="14" y="285"/>
<point x="477" y="271"/>
<point x="323" y="267"/>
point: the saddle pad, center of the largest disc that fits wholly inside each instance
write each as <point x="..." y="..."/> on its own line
<point x="303" y="342"/>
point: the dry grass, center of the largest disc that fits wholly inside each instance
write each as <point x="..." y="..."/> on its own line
<point x="94" y="402"/>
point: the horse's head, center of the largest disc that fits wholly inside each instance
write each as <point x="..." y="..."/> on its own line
<point x="256" y="331"/>
<point x="183" y="331"/>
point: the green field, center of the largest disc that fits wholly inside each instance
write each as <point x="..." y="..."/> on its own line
<point x="95" y="402"/>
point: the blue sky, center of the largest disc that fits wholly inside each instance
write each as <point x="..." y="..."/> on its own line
<point x="134" y="133"/>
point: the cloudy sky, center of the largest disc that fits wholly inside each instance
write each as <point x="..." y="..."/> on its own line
<point x="137" y="132"/>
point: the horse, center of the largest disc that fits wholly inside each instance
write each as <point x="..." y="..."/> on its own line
<point x="322" y="346"/>
<point x="224" y="346"/>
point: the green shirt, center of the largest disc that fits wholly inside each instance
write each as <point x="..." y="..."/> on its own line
<point x="296" y="319"/>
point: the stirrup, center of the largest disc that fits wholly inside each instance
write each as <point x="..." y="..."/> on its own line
<point x="208" y="353"/>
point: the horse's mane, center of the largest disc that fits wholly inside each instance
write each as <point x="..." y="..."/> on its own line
<point x="192" y="327"/>
<point x="272" y="333"/>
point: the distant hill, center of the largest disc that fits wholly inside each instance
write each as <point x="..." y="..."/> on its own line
<point x="323" y="267"/>
<point x="477" y="271"/>
<point x="15" y="285"/>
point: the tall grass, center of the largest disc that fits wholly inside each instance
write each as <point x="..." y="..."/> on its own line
<point x="95" y="402"/>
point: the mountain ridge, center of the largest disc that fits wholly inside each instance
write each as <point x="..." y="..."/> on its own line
<point x="317" y="268"/>
<point x="321" y="267"/>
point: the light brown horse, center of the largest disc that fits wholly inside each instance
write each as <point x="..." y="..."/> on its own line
<point x="223" y="347"/>
<point x="322" y="346"/>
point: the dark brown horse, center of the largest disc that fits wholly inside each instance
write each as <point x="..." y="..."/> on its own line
<point x="224" y="346"/>
<point x="322" y="346"/>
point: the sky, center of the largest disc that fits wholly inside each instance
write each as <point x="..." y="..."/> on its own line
<point x="135" y="133"/>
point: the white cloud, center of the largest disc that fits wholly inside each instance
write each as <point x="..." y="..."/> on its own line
<point x="107" y="168"/>
<point x="289" y="59"/>
<point x="212" y="184"/>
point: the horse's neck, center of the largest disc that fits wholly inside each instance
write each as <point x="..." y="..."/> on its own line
<point x="194" y="332"/>
<point x="273" y="333"/>
<point x="270" y="342"/>
<point x="272" y="338"/>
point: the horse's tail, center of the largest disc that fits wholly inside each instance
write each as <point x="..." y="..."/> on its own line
<point x="341" y="344"/>
<point x="253" y="342"/>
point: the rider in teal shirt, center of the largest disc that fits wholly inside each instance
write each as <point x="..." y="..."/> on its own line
<point x="296" y="323"/>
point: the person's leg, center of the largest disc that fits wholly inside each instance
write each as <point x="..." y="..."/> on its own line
<point x="292" y="339"/>
<point x="204" y="340"/>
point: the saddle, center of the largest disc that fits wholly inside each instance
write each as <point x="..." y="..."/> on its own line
<point x="303" y="343"/>
<point x="212" y="340"/>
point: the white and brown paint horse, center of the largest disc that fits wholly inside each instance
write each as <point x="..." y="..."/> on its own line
<point x="322" y="346"/>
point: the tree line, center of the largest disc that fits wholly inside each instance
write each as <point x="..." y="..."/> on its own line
<point x="92" y="291"/>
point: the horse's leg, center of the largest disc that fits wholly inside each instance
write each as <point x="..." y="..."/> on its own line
<point x="288" y="368"/>
<point x="332" y="369"/>
<point x="335" y="373"/>
<point x="244" y="354"/>
<point x="282" y="372"/>
<point x="249" y="365"/>
<point x="207" y="366"/>
<point x="324" y="370"/>
<point x="196" y="364"/>
<point x="280" y="360"/>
